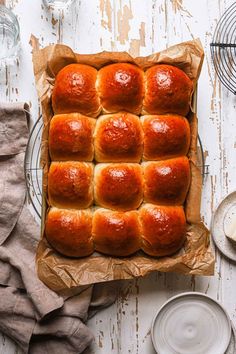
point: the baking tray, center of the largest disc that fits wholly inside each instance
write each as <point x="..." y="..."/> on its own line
<point x="64" y="273"/>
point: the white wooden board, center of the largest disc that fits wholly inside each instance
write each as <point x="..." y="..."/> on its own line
<point x="141" y="27"/>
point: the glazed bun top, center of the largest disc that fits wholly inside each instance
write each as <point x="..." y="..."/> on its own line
<point x="71" y="137"/>
<point x="168" y="90"/>
<point x="118" y="186"/>
<point x="70" y="184"/>
<point x="70" y="231"/>
<point x="118" y="138"/>
<point x="165" y="136"/>
<point x="121" y="87"/>
<point x="166" y="182"/>
<point x="75" y="91"/>
<point x="163" y="229"/>
<point x="116" y="233"/>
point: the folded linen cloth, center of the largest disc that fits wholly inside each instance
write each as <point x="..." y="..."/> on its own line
<point x="35" y="317"/>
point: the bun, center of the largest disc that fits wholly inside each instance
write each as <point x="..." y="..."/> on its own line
<point x="75" y="91"/>
<point x="121" y="87"/>
<point x="168" y="90"/>
<point x="166" y="182"/>
<point x="71" y="137"/>
<point x="118" y="186"/>
<point x="70" y="231"/>
<point x="165" y="136"/>
<point x="163" y="229"/>
<point x="70" y="184"/>
<point x="118" y="138"/>
<point x="116" y="233"/>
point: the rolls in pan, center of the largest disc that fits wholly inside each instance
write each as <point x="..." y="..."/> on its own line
<point x="118" y="182"/>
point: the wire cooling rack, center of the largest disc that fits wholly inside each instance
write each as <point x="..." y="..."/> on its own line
<point x="223" y="49"/>
<point x="34" y="173"/>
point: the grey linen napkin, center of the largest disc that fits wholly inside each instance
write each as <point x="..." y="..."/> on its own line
<point x="35" y="317"/>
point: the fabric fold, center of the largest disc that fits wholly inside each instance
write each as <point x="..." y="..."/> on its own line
<point x="14" y="119"/>
<point x="13" y="141"/>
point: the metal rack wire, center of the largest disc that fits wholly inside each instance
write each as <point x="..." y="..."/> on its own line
<point x="223" y="49"/>
<point x="34" y="173"/>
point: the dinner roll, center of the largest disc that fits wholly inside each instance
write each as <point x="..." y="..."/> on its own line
<point x="71" y="137"/>
<point x="166" y="182"/>
<point x="163" y="229"/>
<point x="70" y="231"/>
<point x="75" y="90"/>
<point x="118" y="138"/>
<point x="116" y="233"/>
<point x="70" y="184"/>
<point x="118" y="186"/>
<point x="165" y="136"/>
<point x="121" y="87"/>
<point x="168" y="90"/>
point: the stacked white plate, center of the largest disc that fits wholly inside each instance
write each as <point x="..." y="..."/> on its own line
<point x="193" y="323"/>
<point x="222" y="219"/>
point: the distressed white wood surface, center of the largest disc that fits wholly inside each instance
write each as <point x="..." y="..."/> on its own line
<point x="141" y="27"/>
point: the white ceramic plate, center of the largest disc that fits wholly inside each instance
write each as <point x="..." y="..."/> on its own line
<point x="232" y="345"/>
<point x="222" y="217"/>
<point x="191" y="323"/>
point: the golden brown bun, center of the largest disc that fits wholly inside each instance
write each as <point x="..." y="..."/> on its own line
<point x="165" y="136"/>
<point x="75" y="91"/>
<point x="166" y="182"/>
<point x="116" y="233"/>
<point x="70" y="184"/>
<point x="168" y="90"/>
<point x="118" y="138"/>
<point x="121" y="87"/>
<point x="118" y="186"/>
<point x="70" y="231"/>
<point x="163" y="229"/>
<point x="71" y="137"/>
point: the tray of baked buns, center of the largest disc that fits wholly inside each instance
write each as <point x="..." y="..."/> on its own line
<point x="119" y="150"/>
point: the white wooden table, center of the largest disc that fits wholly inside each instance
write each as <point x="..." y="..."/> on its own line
<point x="141" y="27"/>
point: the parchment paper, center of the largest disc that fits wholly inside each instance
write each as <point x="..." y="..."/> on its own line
<point x="61" y="273"/>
